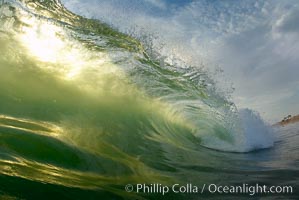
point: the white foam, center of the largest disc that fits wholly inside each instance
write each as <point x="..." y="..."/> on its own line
<point x="249" y="132"/>
<point x="257" y="134"/>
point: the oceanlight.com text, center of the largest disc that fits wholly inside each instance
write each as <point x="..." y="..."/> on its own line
<point x="190" y="188"/>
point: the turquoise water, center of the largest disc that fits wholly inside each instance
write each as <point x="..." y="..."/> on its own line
<point x="86" y="110"/>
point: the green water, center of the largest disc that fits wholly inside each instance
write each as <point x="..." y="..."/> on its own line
<point x="85" y="110"/>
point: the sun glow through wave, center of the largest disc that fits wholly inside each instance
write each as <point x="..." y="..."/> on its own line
<point x="44" y="42"/>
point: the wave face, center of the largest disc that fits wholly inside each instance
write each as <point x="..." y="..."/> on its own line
<point x="85" y="109"/>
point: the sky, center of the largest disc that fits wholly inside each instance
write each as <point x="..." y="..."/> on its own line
<point x="254" y="42"/>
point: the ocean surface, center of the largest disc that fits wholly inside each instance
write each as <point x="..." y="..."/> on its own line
<point x="86" y="110"/>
